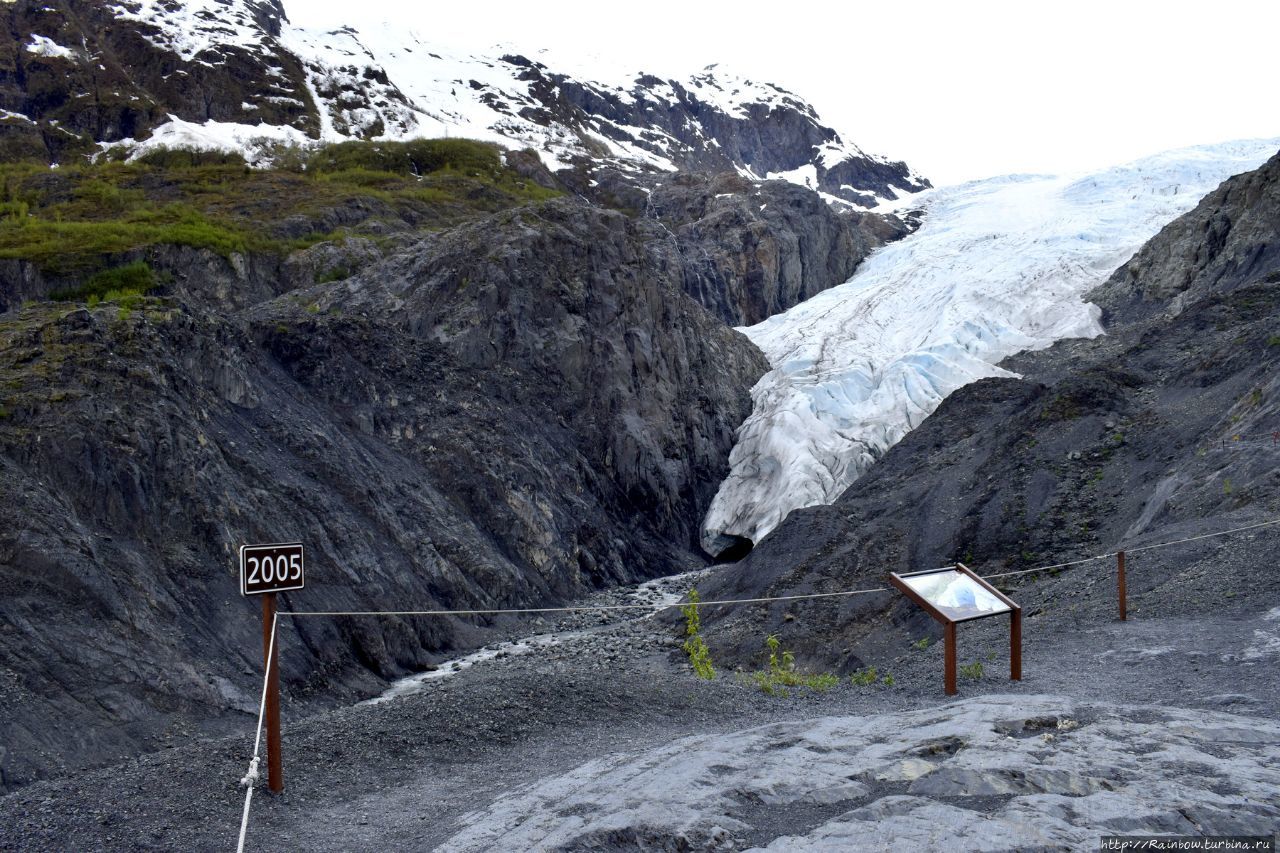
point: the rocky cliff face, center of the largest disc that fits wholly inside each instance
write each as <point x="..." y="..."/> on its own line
<point x="1161" y="428"/>
<point x="470" y="410"/>
<point x="511" y="412"/>
<point x="754" y="249"/>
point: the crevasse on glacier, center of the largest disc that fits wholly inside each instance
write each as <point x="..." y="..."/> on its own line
<point x="999" y="266"/>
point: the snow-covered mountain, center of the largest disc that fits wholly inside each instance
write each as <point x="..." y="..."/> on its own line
<point x="999" y="266"/>
<point x="235" y="73"/>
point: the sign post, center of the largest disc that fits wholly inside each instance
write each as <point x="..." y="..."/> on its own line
<point x="957" y="594"/>
<point x="275" y="766"/>
<point x="266" y="570"/>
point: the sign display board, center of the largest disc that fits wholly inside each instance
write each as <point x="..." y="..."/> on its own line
<point x="956" y="594"/>
<point x="271" y="568"/>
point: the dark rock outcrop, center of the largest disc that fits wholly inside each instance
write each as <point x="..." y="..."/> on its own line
<point x="755" y="249"/>
<point x="509" y="413"/>
<point x="710" y="124"/>
<point x="105" y="79"/>
<point x="1162" y="428"/>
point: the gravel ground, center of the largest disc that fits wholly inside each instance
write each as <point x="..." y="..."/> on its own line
<point x="399" y="774"/>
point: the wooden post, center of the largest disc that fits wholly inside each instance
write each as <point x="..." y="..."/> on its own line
<point x="1120" y="584"/>
<point x="270" y="655"/>
<point x="1015" y="644"/>
<point x="949" y="656"/>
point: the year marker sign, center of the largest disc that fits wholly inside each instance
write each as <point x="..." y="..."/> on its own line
<point x="270" y="568"/>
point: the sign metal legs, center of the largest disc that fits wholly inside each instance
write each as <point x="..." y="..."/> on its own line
<point x="1015" y="644"/>
<point x="949" y="654"/>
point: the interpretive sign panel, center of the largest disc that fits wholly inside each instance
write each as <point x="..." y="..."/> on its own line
<point x="271" y="568"/>
<point x="956" y="594"/>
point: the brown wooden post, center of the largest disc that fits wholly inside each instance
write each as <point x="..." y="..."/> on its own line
<point x="270" y="654"/>
<point x="1015" y="644"/>
<point x="1121" y="590"/>
<point x="949" y="656"/>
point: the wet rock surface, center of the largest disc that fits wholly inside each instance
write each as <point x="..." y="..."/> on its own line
<point x="859" y="783"/>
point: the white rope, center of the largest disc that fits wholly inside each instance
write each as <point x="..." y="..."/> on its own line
<point x="1203" y="536"/>
<point x="580" y="609"/>
<point x="251" y="778"/>
<point x="1136" y="550"/>
<point x="1054" y="566"/>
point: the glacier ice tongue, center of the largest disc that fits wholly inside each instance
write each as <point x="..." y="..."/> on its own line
<point x="999" y="266"/>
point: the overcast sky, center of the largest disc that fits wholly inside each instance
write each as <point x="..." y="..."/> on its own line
<point x="958" y="90"/>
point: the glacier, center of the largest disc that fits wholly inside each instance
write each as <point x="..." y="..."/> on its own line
<point x="999" y="266"/>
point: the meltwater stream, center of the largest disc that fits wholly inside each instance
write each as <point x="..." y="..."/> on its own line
<point x="656" y="594"/>
<point x="999" y="266"/>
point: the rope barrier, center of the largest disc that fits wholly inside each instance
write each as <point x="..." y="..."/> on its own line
<point x="1203" y="536"/>
<point x="1053" y="566"/>
<point x="251" y="777"/>
<point x="1135" y="550"/>
<point x="586" y="608"/>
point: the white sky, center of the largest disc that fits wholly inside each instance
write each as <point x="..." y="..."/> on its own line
<point x="958" y="90"/>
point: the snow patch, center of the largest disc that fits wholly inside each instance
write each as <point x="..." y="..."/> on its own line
<point x="253" y="141"/>
<point x="47" y="47"/>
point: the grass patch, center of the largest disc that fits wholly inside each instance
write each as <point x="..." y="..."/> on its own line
<point x="869" y="676"/>
<point x="73" y="221"/>
<point x="695" y="647"/>
<point x="136" y="277"/>
<point x="972" y="671"/>
<point x="781" y="673"/>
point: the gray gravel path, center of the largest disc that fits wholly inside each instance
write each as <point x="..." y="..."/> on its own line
<point x="401" y="774"/>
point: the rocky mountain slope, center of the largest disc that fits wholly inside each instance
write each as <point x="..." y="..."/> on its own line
<point x="211" y="73"/>
<point x="1161" y="428"/>
<point x="463" y="376"/>
<point x="508" y="412"/>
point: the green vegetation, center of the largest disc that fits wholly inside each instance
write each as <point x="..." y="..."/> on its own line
<point x="695" y="646"/>
<point x="972" y="671"/>
<point x="869" y="676"/>
<point x="1273" y="341"/>
<point x="921" y="644"/>
<point x="335" y="274"/>
<point x="782" y="673"/>
<point x="137" y="278"/>
<point x="78" y="220"/>
<point x="1066" y="406"/>
<point x="864" y="677"/>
